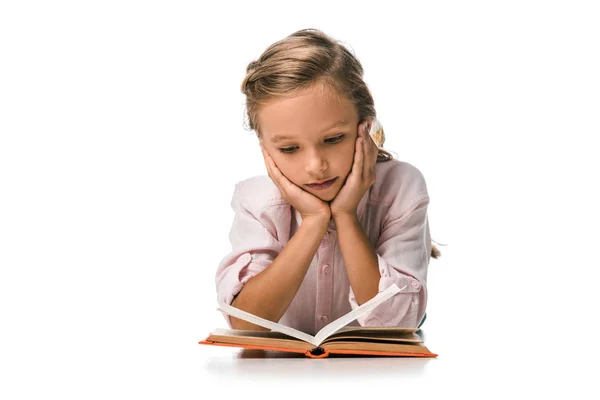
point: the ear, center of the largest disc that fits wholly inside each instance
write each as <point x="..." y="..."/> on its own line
<point x="364" y="124"/>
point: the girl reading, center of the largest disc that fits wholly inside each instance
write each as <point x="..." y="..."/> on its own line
<point x="337" y="219"/>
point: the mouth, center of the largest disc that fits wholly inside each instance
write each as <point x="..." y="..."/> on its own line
<point x="324" y="185"/>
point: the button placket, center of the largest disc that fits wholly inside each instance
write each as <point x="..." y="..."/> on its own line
<point x="324" y="287"/>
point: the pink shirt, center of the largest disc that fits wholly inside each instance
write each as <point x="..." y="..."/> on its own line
<point x="393" y="214"/>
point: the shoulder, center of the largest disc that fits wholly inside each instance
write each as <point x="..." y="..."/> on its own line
<point x="257" y="199"/>
<point x="398" y="182"/>
<point x="256" y="193"/>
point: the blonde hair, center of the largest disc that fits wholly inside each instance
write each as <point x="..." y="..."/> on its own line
<point x="301" y="61"/>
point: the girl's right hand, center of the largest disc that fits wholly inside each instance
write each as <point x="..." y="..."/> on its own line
<point x="307" y="204"/>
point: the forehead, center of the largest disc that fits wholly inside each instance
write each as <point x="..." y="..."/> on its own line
<point x="307" y="114"/>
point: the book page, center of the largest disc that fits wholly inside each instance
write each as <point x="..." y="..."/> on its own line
<point x="375" y="335"/>
<point x="408" y="348"/>
<point x="252" y="333"/>
<point x="265" y="323"/>
<point x="265" y="339"/>
<point x="323" y="333"/>
<point x="339" y="323"/>
<point x="377" y="329"/>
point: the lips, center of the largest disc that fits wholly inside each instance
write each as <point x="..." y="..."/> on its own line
<point x="321" y="182"/>
<point x="324" y="185"/>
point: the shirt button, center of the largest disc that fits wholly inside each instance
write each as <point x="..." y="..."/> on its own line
<point x="326" y="269"/>
<point x="415" y="284"/>
<point x="324" y="318"/>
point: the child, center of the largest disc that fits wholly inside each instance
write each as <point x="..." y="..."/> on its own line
<point x="304" y="254"/>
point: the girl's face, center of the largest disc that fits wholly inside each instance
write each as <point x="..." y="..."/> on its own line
<point x="311" y="137"/>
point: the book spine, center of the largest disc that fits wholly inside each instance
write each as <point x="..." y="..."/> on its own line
<point x="317" y="352"/>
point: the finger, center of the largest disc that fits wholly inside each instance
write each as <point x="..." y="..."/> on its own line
<point x="357" y="167"/>
<point x="271" y="167"/>
<point x="282" y="180"/>
<point x="266" y="159"/>
<point x="279" y="179"/>
<point x="364" y="155"/>
<point x="369" y="154"/>
<point x="286" y="187"/>
<point x="276" y="174"/>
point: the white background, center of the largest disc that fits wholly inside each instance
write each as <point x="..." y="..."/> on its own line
<point x="122" y="136"/>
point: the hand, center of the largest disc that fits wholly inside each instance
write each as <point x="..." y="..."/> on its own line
<point x="307" y="204"/>
<point x="362" y="175"/>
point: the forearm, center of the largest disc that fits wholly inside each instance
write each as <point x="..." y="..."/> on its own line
<point x="359" y="256"/>
<point x="269" y="293"/>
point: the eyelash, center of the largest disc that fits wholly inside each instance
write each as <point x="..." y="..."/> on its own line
<point x="340" y="137"/>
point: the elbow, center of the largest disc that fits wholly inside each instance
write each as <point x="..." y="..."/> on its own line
<point x="405" y="310"/>
<point x="236" y="323"/>
<point x="244" y="325"/>
<point x="417" y="312"/>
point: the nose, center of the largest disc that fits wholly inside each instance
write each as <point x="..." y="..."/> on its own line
<point x="316" y="164"/>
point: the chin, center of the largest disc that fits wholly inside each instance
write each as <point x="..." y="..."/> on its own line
<point x="328" y="196"/>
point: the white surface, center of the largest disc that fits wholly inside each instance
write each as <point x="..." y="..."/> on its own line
<point x="121" y="137"/>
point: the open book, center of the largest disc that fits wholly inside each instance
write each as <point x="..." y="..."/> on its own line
<point x="334" y="338"/>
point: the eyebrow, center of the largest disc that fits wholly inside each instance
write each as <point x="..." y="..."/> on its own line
<point x="279" y="138"/>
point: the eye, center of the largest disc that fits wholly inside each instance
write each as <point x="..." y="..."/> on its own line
<point x="334" y="140"/>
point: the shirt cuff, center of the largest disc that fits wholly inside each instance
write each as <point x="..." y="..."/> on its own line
<point x="404" y="309"/>
<point x="231" y="283"/>
<point x="233" y="280"/>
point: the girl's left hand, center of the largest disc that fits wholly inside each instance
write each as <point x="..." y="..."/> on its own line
<point x="361" y="177"/>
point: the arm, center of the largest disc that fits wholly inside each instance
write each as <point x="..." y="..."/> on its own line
<point x="359" y="256"/>
<point x="402" y="253"/>
<point x="269" y="293"/>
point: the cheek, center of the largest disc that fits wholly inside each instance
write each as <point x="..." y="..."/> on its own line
<point x="281" y="163"/>
<point x="347" y="156"/>
<point x="285" y="167"/>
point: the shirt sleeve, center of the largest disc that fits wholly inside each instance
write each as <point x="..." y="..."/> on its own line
<point x="403" y="254"/>
<point x="254" y="247"/>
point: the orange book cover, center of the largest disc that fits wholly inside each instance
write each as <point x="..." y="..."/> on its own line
<point x="322" y="352"/>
